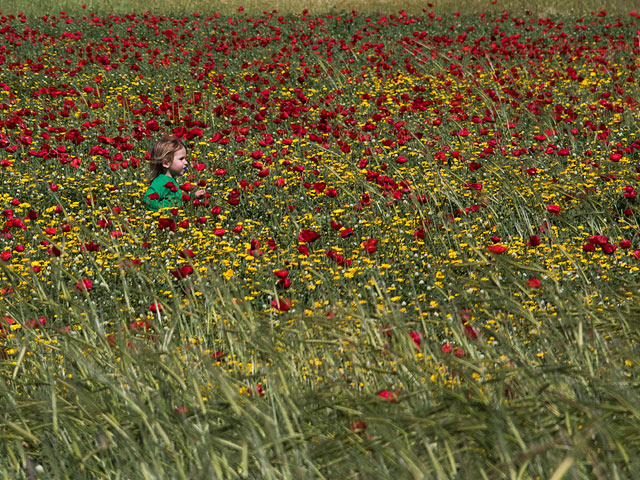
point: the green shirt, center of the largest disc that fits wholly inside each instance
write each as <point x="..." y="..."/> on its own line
<point x="168" y="193"/>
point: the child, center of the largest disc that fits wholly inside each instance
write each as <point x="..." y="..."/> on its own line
<point x="168" y="161"/>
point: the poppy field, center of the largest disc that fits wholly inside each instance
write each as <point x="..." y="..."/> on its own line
<point x="417" y="255"/>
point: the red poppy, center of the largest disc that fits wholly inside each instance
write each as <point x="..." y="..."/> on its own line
<point x="599" y="239"/>
<point x="139" y="325"/>
<point x="553" y="209"/>
<point x="308" y="236"/>
<point x="416" y="337"/>
<point x="155" y="307"/>
<point x="533" y="282"/>
<point x="347" y="232"/>
<point x="281" y="273"/>
<point x="217" y="355"/>
<point x="338" y="258"/>
<point x="471" y="332"/>
<point x="319" y="187"/>
<point x="370" y="245"/>
<point x="90" y="247"/>
<point x="36" y="322"/>
<point x="182" y="272"/>
<point x="171" y="186"/>
<point x="497" y="249"/>
<point x="272" y="244"/>
<point x="281" y="304"/>
<point x="629" y="192"/>
<point x="534" y="241"/>
<point x="84" y="285"/>
<point x="167" y="223"/>
<point x="390" y="395"/>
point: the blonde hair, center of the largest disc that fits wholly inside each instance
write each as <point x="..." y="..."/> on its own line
<point x="163" y="150"/>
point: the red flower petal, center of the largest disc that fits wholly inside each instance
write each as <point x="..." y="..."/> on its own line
<point x="308" y="236"/>
<point x="390" y="395"/>
<point x="533" y="283"/>
<point x="553" y="209"/>
<point x="416" y="337"/>
<point x="281" y="304"/>
<point x="370" y="245"/>
<point x="84" y="284"/>
<point x="497" y="249"/>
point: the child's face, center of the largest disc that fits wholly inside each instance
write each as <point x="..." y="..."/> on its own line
<point x="178" y="164"/>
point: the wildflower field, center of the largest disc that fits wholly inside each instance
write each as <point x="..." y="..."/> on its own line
<point x="417" y="255"/>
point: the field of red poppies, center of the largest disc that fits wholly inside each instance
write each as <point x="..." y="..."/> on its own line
<point x="417" y="255"/>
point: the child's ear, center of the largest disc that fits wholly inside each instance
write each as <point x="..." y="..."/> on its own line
<point x="166" y="163"/>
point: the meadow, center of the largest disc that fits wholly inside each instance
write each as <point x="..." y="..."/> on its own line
<point x="417" y="256"/>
